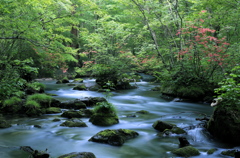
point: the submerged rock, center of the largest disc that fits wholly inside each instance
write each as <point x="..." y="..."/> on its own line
<point x="114" y="137"/>
<point x="35" y="153"/>
<point x="78" y="155"/>
<point x="142" y="112"/>
<point x="74" y="123"/>
<point x="186" y="151"/>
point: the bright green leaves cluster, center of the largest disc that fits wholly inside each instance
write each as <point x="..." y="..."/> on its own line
<point x="230" y="87"/>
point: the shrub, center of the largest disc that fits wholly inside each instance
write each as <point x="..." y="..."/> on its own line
<point x="12" y="104"/>
<point x="43" y="99"/>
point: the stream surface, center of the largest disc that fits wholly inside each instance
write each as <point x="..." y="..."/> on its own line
<point x="60" y="140"/>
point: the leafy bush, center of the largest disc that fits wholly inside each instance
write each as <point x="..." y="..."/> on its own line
<point x="43" y="99"/>
<point x="230" y="87"/>
<point x="12" y="104"/>
<point x="31" y="104"/>
<point x="37" y="86"/>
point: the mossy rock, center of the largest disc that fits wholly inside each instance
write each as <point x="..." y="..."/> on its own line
<point x="74" y="123"/>
<point x="142" y="112"/>
<point x="56" y="120"/>
<point x="53" y="110"/>
<point x="114" y="137"/>
<point x="186" y="151"/>
<point x="107" y="120"/>
<point x="229" y="152"/>
<point x="225" y="123"/>
<point x="78" y="155"/>
<point x="161" y="126"/>
<point x="78" y="80"/>
<point x="92" y="101"/>
<point x="34" y="112"/>
<point x="211" y="151"/>
<point x="73" y="114"/>
<point x="80" y="87"/>
<point x="4" y="124"/>
<point x="75" y="104"/>
<point x="174" y="130"/>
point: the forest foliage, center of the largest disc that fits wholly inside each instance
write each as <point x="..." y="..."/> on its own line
<point x="189" y="45"/>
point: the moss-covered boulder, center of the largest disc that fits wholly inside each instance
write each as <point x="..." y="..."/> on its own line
<point x="174" y="130"/>
<point x="211" y="151"/>
<point x="78" y="155"/>
<point x="224" y="124"/>
<point x="104" y="120"/>
<point x="74" y="123"/>
<point x="75" y="104"/>
<point x="186" y="151"/>
<point x="80" y="87"/>
<point x="104" y="115"/>
<point x="78" y="80"/>
<point x="73" y="114"/>
<point x="229" y="152"/>
<point x="161" y="126"/>
<point x="64" y="80"/>
<point x="53" y="110"/>
<point x="4" y="124"/>
<point x="114" y="137"/>
<point x="92" y="101"/>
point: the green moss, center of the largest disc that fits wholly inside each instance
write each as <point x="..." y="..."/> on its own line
<point x="12" y="101"/>
<point x="211" y="151"/>
<point x="229" y="153"/>
<point x="12" y="104"/>
<point x="78" y="80"/>
<point x="107" y="133"/>
<point x="103" y="108"/>
<point x="187" y="151"/>
<point x="32" y="104"/>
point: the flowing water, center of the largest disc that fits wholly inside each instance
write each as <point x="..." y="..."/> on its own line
<point x="58" y="140"/>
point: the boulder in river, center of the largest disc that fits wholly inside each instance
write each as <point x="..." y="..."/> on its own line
<point x="114" y="137"/>
<point x="73" y="114"/>
<point x="161" y="126"/>
<point x="35" y="153"/>
<point x="186" y="151"/>
<point x="224" y="124"/>
<point x="104" y="115"/>
<point x="74" y="123"/>
<point x="53" y="110"/>
<point x="78" y="155"/>
<point x="92" y="101"/>
<point x="80" y="87"/>
<point x="75" y="104"/>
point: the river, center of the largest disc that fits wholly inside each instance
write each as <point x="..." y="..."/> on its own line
<point x="58" y="140"/>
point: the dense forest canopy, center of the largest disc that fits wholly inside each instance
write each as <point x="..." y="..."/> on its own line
<point x="184" y="43"/>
